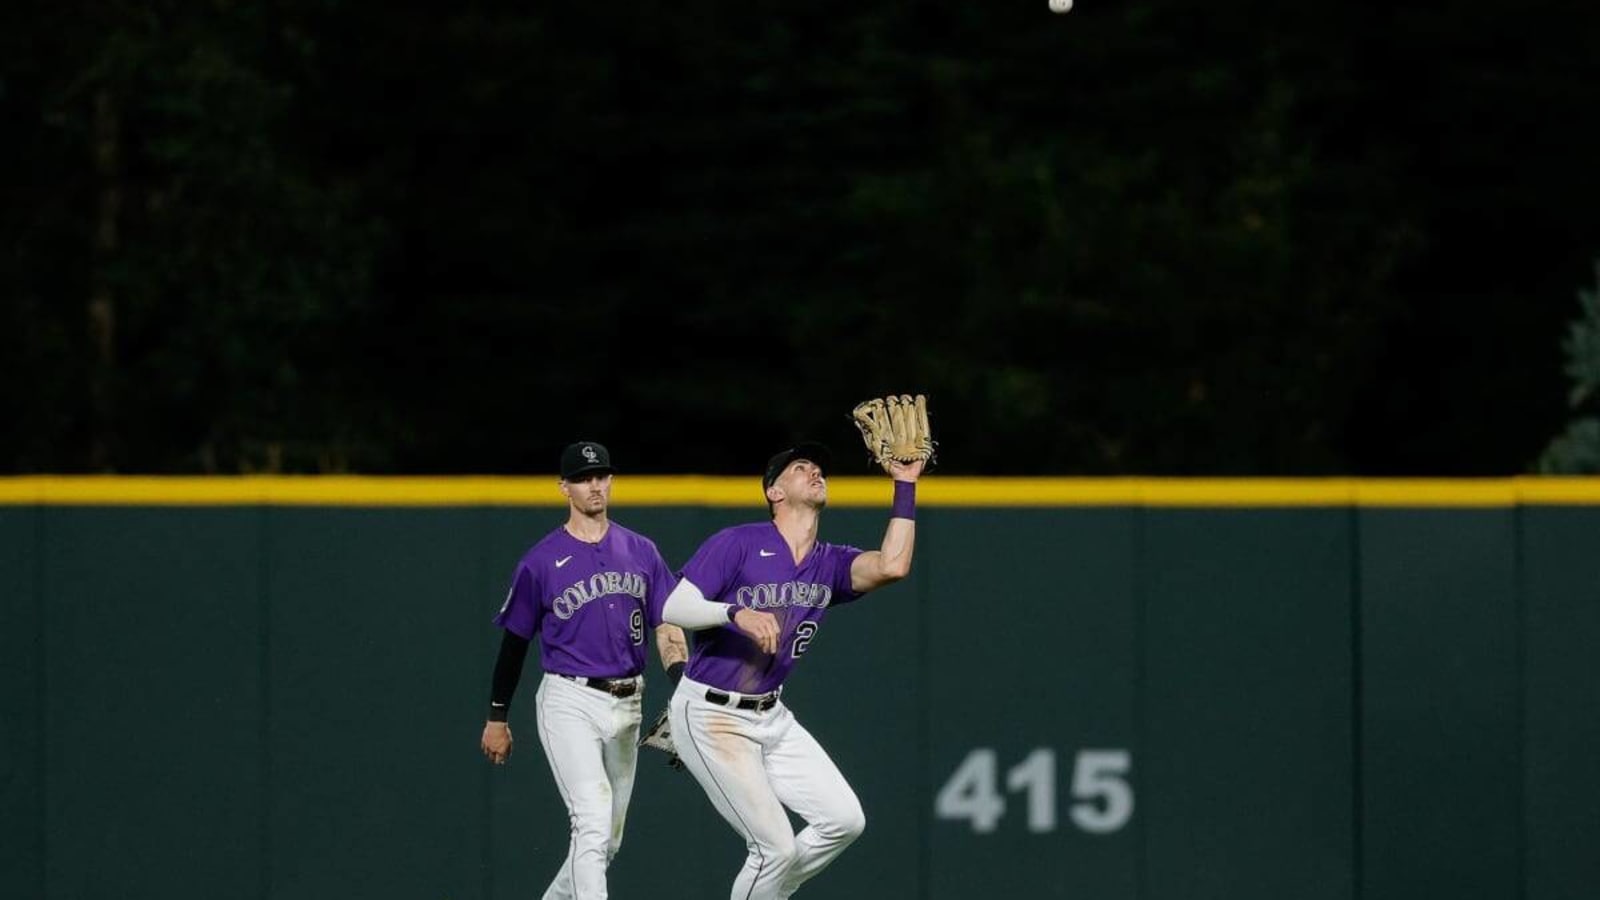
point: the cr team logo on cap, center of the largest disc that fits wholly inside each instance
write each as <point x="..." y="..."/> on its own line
<point x="585" y="456"/>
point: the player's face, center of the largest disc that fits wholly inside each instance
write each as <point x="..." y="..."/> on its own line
<point x="804" y="484"/>
<point x="588" y="494"/>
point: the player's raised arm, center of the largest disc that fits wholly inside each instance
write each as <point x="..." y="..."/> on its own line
<point x="892" y="561"/>
<point x="729" y="712"/>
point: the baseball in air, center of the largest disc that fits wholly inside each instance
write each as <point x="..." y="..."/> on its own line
<point x="1060" y="6"/>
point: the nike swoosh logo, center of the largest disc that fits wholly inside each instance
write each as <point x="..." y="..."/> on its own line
<point x="767" y="553"/>
<point x="562" y="561"/>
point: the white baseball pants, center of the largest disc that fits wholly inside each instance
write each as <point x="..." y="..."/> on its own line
<point x="754" y="763"/>
<point x="591" y="740"/>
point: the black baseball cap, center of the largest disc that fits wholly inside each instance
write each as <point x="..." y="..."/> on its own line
<point x="812" y="450"/>
<point x="585" y="458"/>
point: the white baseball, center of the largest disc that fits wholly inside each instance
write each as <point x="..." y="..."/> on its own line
<point x="1060" y="6"/>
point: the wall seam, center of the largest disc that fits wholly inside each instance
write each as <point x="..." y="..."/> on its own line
<point x="1357" y="714"/>
<point x="1519" y="595"/>
<point x="1140" y="708"/>
<point x="924" y="726"/>
<point x="41" y="706"/>
<point x="264" y="697"/>
<point x="485" y="772"/>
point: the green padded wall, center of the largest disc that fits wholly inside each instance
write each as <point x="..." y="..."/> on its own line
<point x="1032" y="626"/>
<point x="21" y="691"/>
<point x="374" y="630"/>
<point x="1329" y="703"/>
<point x="153" y="716"/>
<point x="1440" y="707"/>
<point x="1247" y="705"/>
<point x="1560" y="588"/>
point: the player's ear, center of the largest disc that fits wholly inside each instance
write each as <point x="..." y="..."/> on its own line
<point x="774" y="493"/>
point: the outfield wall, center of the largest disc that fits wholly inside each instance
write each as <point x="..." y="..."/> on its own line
<point x="1325" y="690"/>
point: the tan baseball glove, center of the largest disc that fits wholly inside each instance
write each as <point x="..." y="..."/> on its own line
<point x="895" y="429"/>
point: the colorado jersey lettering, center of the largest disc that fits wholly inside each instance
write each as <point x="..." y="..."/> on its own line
<point x="582" y="608"/>
<point x="790" y="593"/>
<point x="751" y="566"/>
<point x="602" y="584"/>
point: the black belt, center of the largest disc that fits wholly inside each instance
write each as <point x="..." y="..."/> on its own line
<point x="762" y="702"/>
<point x="616" y="687"/>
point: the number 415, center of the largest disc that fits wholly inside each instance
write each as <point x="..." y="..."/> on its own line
<point x="1099" y="785"/>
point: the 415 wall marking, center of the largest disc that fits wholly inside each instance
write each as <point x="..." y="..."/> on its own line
<point x="1102" y="795"/>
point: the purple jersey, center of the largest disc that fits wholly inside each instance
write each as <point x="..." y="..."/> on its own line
<point x="750" y="565"/>
<point x="592" y="605"/>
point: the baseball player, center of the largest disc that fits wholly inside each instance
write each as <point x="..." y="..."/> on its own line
<point x="730" y="727"/>
<point x="590" y="590"/>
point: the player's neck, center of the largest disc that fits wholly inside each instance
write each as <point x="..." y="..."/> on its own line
<point x="798" y="525"/>
<point x="589" y="529"/>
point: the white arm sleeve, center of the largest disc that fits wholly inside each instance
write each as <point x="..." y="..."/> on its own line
<point x="687" y="608"/>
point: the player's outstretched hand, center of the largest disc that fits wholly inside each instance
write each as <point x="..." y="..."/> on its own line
<point x="906" y="471"/>
<point x="761" y="628"/>
<point x="496" y="743"/>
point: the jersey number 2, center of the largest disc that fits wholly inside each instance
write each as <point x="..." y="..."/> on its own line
<point x="803" y="633"/>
